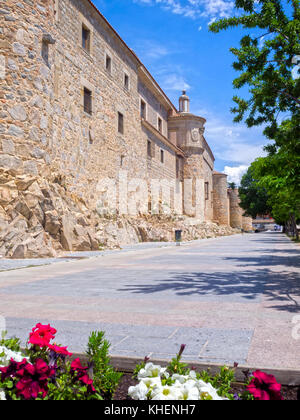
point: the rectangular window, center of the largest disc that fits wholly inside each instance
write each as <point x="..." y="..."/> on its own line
<point x="108" y="63"/>
<point x="177" y="168"/>
<point x="86" y="39"/>
<point x="206" y="190"/>
<point x="120" y="123"/>
<point x="162" y="156"/>
<point x="143" y="109"/>
<point x="126" y="81"/>
<point x="87" y="101"/>
<point x="45" y="52"/>
<point x="160" y="125"/>
<point x="149" y="149"/>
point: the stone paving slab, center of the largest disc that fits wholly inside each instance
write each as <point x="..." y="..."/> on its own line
<point x="226" y="346"/>
<point x="229" y="299"/>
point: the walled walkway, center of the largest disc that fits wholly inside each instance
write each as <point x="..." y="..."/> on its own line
<point x="229" y="299"/>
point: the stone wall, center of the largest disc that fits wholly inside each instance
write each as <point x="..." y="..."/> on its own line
<point x="236" y="212"/>
<point x="47" y="134"/>
<point x="220" y="199"/>
<point x="43" y="124"/>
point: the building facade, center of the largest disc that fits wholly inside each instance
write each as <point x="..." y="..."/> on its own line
<point x="75" y="99"/>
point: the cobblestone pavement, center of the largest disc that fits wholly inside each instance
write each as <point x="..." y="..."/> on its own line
<point x="229" y="299"/>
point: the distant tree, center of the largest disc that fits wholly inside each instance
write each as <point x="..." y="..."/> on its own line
<point x="266" y="62"/>
<point x="232" y="185"/>
<point x="254" y="199"/>
<point x="279" y="174"/>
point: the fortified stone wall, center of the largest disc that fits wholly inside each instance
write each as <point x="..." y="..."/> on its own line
<point x="43" y="121"/>
<point x="48" y="68"/>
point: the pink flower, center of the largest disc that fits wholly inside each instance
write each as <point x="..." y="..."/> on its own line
<point x="82" y="375"/>
<point x="59" y="350"/>
<point x="264" y="387"/>
<point x="76" y="365"/>
<point x="85" y="379"/>
<point x="41" y="335"/>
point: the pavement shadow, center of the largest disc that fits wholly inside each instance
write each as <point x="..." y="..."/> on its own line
<point x="267" y="260"/>
<point x="282" y="288"/>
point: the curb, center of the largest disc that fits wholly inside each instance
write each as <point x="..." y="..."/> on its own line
<point x="287" y="377"/>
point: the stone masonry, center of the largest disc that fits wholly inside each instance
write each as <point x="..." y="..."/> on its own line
<point x="78" y="106"/>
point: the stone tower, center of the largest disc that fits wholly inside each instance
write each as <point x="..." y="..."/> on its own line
<point x="189" y="130"/>
<point x="236" y="212"/>
<point x="221" y="199"/>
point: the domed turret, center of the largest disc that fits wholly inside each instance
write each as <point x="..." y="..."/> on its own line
<point x="184" y="103"/>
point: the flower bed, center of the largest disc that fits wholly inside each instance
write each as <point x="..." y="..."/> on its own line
<point x="46" y="371"/>
<point x="178" y="382"/>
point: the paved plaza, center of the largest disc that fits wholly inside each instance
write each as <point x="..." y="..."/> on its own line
<point x="230" y="299"/>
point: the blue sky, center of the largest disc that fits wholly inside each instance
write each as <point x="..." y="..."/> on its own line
<point x="172" y="40"/>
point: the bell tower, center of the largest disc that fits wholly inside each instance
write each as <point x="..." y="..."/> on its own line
<point x="184" y="103"/>
<point x="190" y="130"/>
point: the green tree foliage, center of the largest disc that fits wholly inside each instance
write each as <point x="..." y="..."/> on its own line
<point x="265" y="61"/>
<point x="254" y="199"/>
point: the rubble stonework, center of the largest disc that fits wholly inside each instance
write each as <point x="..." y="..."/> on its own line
<point x="55" y="151"/>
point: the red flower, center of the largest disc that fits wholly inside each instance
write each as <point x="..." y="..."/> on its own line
<point x="82" y="375"/>
<point x="12" y="369"/>
<point x="41" y="335"/>
<point x="264" y="387"/>
<point x="33" y="379"/>
<point x="76" y="366"/>
<point x="59" y="350"/>
<point x="85" y="379"/>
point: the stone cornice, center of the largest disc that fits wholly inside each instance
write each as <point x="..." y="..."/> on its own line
<point x="186" y="116"/>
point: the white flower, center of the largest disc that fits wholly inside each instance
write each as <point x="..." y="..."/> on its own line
<point x="151" y="382"/>
<point x="165" y="392"/>
<point x="2" y="395"/>
<point x="6" y="355"/>
<point x="206" y="389"/>
<point x="152" y="371"/>
<point x="180" y="378"/>
<point x="138" y="392"/>
<point x="189" y="391"/>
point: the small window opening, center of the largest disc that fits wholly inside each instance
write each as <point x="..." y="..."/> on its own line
<point x="86" y="39"/>
<point x="143" y="109"/>
<point x="160" y="125"/>
<point x="45" y="52"/>
<point x="120" y="123"/>
<point x="87" y="102"/>
<point x="126" y="81"/>
<point x="206" y="190"/>
<point x="149" y="149"/>
<point x="108" y="63"/>
<point x="162" y="156"/>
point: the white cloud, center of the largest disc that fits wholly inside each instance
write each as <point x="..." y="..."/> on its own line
<point x="235" y="173"/>
<point x="194" y="9"/>
<point x="152" y="50"/>
<point x="174" y="82"/>
<point x="231" y="142"/>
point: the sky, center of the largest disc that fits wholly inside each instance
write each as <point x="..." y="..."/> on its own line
<point x="172" y="40"/>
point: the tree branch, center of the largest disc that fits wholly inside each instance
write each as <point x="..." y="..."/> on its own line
<point x="290" y="96"/>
